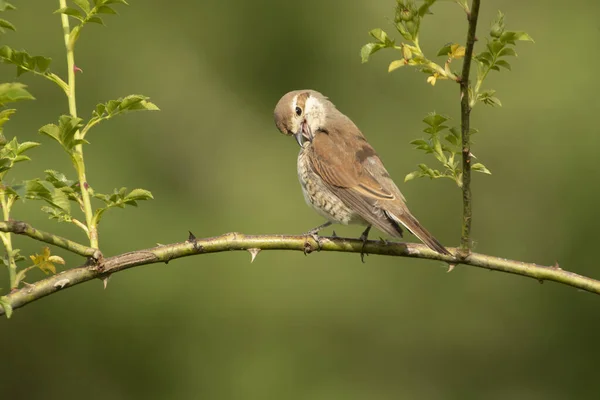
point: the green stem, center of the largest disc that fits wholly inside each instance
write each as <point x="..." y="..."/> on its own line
<point x="23" y="228"/>
<point x="465" y="108"/>
<point x="77" y="155"/>
<point x="7" y="241"/>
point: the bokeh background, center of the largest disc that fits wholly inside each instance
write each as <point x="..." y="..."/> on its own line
<point x="324" y="326"/>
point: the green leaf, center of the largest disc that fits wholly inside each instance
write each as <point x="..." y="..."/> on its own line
<point x="396" y="64"/>
<point x="495" y="46"/>
<point x="424" y="9"/>
<point x="479" y="167"/>
<point x="485" y="58"/>
<point x="368" y="49"/>
<point x="507" y="51"/>
<point x="380" y="35"/>
<point x="13" y="92"/>
<point x="511" y="37"/>
<point x="23" y="147"/>
<point x="57" y="214"/>
<point x="5" y="24"/>
<point x="452" y="139"/>
<point x="413" y="175"/>
<point x="83" y="4"/>
<point x="106" y="10"/>
<point x="444" y="50"/>
<point x="65" y="132"/>
<point x="42" y="190"/>
<point x="488" y="98"/>
<point x="42" y="63"/>
<point x="24" y="61"/>
<point x="5" y="303"/>
<point x="4" y="117"/>
<point x="6" y="6"/>
<point x="434" y="120"/>
<point x="72" y="12"/>
<point x="96" y="20"/>
<point x="503" y="63"/>
<point x="51" y="130"/>
<point x="112" y="108"/>
<point x="18" y="191"/>
<point x="58" y="179"/>
<point x="139" y="194"/>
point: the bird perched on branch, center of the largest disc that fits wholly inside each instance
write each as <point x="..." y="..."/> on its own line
<point x="341" y="175"/>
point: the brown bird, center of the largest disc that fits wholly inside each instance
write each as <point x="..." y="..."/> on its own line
<point x="341" y="175"/>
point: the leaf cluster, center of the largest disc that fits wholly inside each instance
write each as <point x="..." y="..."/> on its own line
<point x="499" y="47"/>
<point x="86" y="13"/>
<point x="407" y="21"/>
<point x="445" y="149"/>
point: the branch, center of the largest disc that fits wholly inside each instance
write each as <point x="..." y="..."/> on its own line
<point x="255" y="243"/>
<point x="23" y="228"/>
<point x="465" y="112"/>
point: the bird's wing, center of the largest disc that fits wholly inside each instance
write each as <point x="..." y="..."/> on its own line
<point x="351" y="168"/>
<point x="353" y="171"/>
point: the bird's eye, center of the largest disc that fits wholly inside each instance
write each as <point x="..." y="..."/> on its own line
<point x="298" y="111"/>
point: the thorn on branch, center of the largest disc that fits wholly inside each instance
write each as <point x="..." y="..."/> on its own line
<point x="105" y="281"/>
<point x="62" y="283"/>
<point x="253" y="252"/>
<point x="192" y="239"/>
<point x="450" y="268"/>
<point x="556" y="266"/>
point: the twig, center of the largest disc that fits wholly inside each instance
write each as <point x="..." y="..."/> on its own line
<point x="465" y="112"/>
<point x="23" y="228"/>
<point x="238" y="241"/>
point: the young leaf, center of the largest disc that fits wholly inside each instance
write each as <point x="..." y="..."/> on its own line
<point x="46" y="262"/>
<point x="72" y="12"/>
<point x="413" y="175"/>
<point x="381" y="36"/>
<point x="12" y="92"/>
<point x="42" y="190"/>
<point x="479" y="167"/>
<point x="26" y="62"/>
<point x="112" y="108"/>
<point x="5" y="24"/>
<point x="368" y="49"/>
<point x="83" y="4"/>
<point x="4" y="302"/>
<point x="139" y="194"/>
<point x="65" y="132"/>
<point x="396" y="64"/>
<point x="6" y="6"/>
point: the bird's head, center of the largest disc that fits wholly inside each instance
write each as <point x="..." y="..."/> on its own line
<point x="301" y="113"/>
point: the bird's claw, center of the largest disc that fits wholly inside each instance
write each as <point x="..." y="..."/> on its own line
<point x="363" y="237"/>
<point x="308" y="248"/>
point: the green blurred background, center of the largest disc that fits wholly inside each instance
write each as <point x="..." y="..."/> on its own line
<point x="324" y="326"/>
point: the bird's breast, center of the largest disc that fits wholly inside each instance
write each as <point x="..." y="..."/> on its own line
<point x="317" y="195"/>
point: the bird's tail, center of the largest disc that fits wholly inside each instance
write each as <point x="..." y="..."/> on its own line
<point x="411" y="223"/>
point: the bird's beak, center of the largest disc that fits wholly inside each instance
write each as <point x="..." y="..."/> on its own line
<point x="299" y="137"/>
<point x="303" y="133"/>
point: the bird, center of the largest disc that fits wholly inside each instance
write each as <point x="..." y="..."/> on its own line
<point x="342" y="177"/>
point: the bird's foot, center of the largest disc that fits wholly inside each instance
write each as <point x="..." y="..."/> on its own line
<point x="364" y="236"/>
<point x="314" y="234"/>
